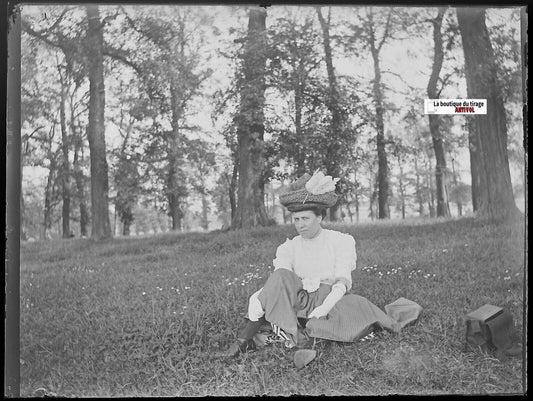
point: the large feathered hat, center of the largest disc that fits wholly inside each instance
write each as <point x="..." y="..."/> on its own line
<point x="310" y="191"/>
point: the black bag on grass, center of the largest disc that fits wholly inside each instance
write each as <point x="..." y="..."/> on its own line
<point x="492" y="329"/>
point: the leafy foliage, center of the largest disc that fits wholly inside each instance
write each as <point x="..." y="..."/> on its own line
<point x="169" y="66"/>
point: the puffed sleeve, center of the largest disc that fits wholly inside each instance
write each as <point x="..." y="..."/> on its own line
<point x="284" y="256"/>
<point x="345" y="259"/>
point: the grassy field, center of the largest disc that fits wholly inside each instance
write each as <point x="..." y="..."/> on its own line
<point x="143" y="316"/>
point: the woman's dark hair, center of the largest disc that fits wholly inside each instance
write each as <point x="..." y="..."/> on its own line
<point x="319" y="211"/>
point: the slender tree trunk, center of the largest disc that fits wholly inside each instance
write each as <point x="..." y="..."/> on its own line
<point x="65" y="167"/>
<point x="205" y="221"/>
<point x="373" y="195"/>
<point x="476" y="161"/>
<point x="494" y="193"/>
<point x="79" y="180"/>
<point x="174" y="210"/>
<point x="333" y="150"/>
<point x="459" y="203"/>
<point x="356" y="198"/>
<point x="434" y="119"/>
<point x="126" y="226"/>
<point x="49" y="195"/>
<point x="233" y="189"/>
<point x="418" y="189"/>
<point x="298" y="105"/>
<point x="349" y="210"/>
<point x="174" y="176"/>
<point x="401" y="187"/>
<point x="430" y="189"/>
<point x="101" y="227"/>
<point x="383" y="173"/>
<point x="250" y="210"/>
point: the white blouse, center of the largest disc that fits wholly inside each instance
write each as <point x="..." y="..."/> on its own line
<point x="328" y="258"/>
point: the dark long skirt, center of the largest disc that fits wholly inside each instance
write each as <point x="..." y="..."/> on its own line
<point x="353" y="317"/>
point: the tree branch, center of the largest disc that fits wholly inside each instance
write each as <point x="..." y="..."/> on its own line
<point x="40" y="35"/>
<point x="116" y="55"/>
<point x="386" y="32"/>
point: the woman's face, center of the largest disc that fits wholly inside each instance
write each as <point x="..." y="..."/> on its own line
<point x="307" y="223"/>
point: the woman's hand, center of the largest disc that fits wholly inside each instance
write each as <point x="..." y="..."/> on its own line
<point x="337" y="292"/>
<point x="319" y="311"/>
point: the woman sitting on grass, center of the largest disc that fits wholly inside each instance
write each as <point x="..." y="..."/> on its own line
<point x="306" y="295"/>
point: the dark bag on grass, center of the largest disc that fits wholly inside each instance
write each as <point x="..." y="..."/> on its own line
<point x="492" y="329"/>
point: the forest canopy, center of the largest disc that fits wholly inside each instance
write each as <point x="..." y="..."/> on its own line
<point x="143" y="119"/>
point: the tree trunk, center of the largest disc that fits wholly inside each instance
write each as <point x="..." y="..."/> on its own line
<point x="401" y="187"/>
<point x="174" y="176"/>
<point x="65" y="167"/>
<point x="476" y="161"/>
<point x="418" y="190"/>
<point x="350" y="213"/>
<point x="298" y="106"/>
<point x="383" y="173"/>
<point x="373" y="182"/>
<point x="250" y="210"/>
<point x="79" y="180"/>
<point x="205" y="221"/>
<point x="174" y="210"/>
<point x="126" y="226"/>
<point x="100" y="227"/>
<point x="233" y="188"/>
<point x="356" y="198"/>
<point x="332" y="154"/>
<point x="459" y="203"/>
<point x="434" y="119"/>
<point x="494" y="194"/>
<point x="430" y="189"/>
<point x="47" y="220"/>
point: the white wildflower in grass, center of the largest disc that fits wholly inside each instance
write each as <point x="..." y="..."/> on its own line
<point x="144" y="293"/>
<point x="187" y="287"/>
<point x="507" y="278"/>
